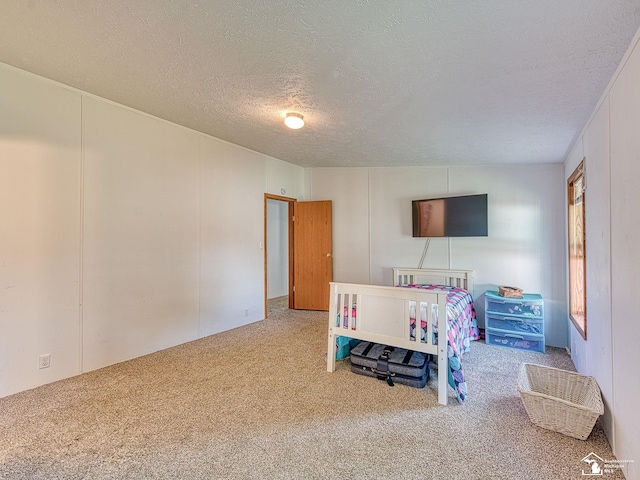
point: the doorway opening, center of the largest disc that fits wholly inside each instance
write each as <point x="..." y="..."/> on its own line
<point x="302" y="271"/>
<point x="278" y="235"/>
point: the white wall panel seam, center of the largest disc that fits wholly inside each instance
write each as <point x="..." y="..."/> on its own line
<point x="612" y="326"/>
<point x="369" y="222"/>
<point x="448" y="170"/>
<point x="200" y="160"/>
<point x="81" y="250"/>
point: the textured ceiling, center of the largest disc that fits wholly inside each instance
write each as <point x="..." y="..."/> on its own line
<point x="380" y="83"/>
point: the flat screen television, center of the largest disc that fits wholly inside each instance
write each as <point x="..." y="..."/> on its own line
<point x="462" y="216"/>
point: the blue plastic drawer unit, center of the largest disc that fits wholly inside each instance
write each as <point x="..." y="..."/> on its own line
<point x="501" y="338"/>
<point x="529" y="305"/>
<point x="515" y="322"/>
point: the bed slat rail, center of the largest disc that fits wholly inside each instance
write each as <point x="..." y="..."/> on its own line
<point x="419" y="276"/>
<point x="381" y="314"/>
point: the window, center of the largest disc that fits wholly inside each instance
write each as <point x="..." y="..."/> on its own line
<point x="577" y="252"/>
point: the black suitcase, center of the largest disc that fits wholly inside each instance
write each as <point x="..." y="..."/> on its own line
<point x="391" y="364"/>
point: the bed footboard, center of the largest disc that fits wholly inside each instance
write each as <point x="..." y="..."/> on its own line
<point x="383" y="315"/>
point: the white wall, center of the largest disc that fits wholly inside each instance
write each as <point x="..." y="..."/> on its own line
<point x="140" y="236"/>
<point x="610" y="146"/>
<point x="232" y="236"/>
<point x="372" y="228"/>
<point x="40" y="181"/>
<point x="625" y="258"/>
<point x="348" y="189"/>
<point x="120" y="234"/>
<point x="285" y="179"/>
<point x="598" y="362"/>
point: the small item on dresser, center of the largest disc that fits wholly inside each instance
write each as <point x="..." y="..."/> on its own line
<point x="510" y="292"/>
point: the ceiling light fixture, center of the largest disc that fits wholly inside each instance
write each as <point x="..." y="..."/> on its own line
<point x="294" y="120"/>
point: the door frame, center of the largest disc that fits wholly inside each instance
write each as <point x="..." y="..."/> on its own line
<point x="290" y="201"/>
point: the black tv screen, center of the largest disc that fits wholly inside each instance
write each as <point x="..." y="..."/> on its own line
<point x="463" y="216"/>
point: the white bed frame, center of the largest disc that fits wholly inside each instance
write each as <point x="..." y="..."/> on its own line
<point x="383" y="314"/>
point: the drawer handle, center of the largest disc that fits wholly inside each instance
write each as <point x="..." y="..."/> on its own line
<point x="507" y="319"/>
<point x="519" y="337"/>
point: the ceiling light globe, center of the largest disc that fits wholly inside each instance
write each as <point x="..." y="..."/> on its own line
<point x="294" y="120"/>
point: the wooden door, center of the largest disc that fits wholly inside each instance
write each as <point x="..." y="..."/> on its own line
<point x="312" y="255"/>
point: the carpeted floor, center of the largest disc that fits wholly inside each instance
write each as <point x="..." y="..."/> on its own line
<point x="257" y="403"/>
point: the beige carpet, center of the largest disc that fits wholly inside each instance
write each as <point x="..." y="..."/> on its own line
<point x="257" y="403"/>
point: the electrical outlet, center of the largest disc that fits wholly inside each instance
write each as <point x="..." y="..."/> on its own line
<point x="45" y="361"/>
<point x="246" y="312"/>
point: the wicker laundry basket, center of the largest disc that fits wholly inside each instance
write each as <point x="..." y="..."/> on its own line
<point x="560" y="400"/>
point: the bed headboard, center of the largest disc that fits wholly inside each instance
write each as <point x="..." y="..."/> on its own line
<point x="421" y="276"/>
